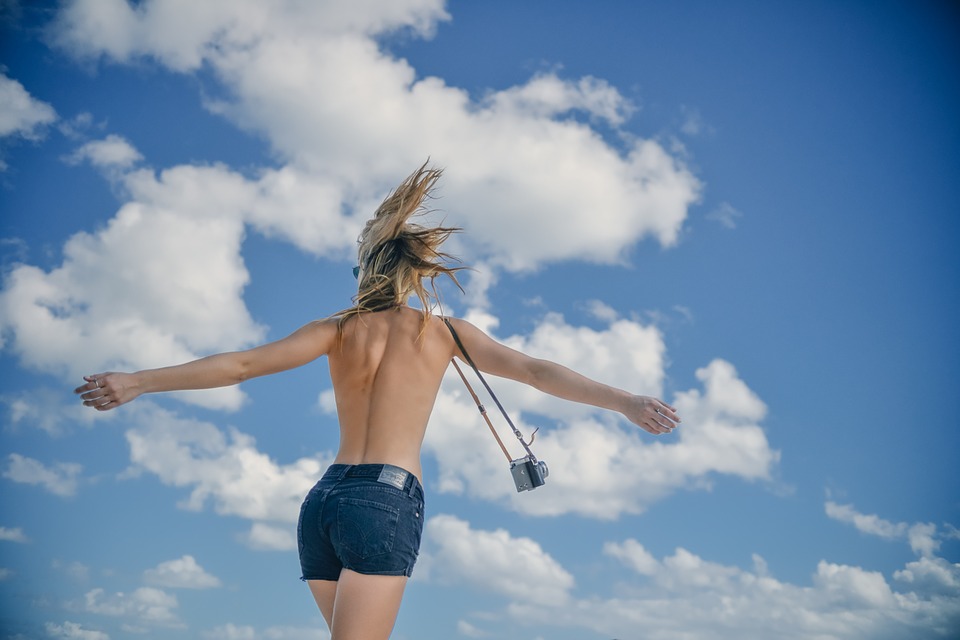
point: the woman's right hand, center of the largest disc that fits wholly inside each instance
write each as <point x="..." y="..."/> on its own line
<point x="105" y="391"/>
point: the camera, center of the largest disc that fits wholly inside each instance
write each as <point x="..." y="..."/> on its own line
<point x="528" y="473"/>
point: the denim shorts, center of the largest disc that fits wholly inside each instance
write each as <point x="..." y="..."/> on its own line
<point x="364" y="517"/>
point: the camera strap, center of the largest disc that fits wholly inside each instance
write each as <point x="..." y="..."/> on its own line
<point x="480" y="406"/>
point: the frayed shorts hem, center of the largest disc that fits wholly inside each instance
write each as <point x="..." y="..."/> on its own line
<point x="365" y="573"/>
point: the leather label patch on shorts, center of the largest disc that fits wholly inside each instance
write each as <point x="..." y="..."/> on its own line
<point x="394" y="476"/>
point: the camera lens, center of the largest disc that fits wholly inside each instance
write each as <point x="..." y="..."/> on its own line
<point x="543" y="468"/>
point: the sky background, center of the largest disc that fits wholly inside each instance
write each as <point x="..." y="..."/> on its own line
<point x="746" y="208"/>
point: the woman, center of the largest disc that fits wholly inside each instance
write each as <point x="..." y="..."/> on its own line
<point x="360" y="526"/>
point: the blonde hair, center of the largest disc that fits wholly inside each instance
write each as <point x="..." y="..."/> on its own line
<point x="397" y="255"/>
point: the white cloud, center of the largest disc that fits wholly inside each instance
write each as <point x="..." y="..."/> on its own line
<point x="624" y="351"/>
<point x="602" y="311"/>
<point x="685" y="596"/>
<point x="294" y="633"/>
<point x="312" y="78"/>
<point x="60" y="479"/>
<point x="271" y="538"/>
<point x="162" y="282"/>
<point x="546" y="96"/>
<point x="76" y="127"/>
<point x="44" y="409"/>
<point x="226" y="469"/>
<point x="464" y="628"/>
<point x="633" y="555"/>
<point x="182" y="573"/>
<point x="931" y="575"/>
<point x="601" y="467"/>
<point x="923" y="537"/>
<point x="20" y="113"/>
<point x="76" y="570"/>
<point x="90" y="28"/>
<point x="73" y="631"/>
<point x="725" y="214"/>
<point x="13" y="535"/>
<point x="113" y="152"/>
<point x="232" y="631"/>
<point x="870" y="524"/>
<point x="517" y="568"/>
<point x="145" y="605"/>
<point x="693" y="123"/>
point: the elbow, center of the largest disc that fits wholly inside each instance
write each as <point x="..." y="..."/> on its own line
<point x="536" y="374"/>
<point x="241" y="371"/>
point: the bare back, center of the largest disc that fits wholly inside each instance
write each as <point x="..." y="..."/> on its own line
<point x="386" y="381"/>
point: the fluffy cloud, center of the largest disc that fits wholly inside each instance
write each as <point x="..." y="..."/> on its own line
<point x="60" y="479"/>
<point x="683" y="595"/>
<point x="163" y="281"/>
<point x="160" y="284"/>
<point x="13" y="535"/>
<point x="270" y="538"/>
<point x="232" y="631"/>
<point x="73" y="631"/>
<point x="625" y="352"/>
<point x="633" y="555"/>
<point x="182" y="573"/>
<point x="931" y="575"/>
<point x="922" y="536"/>
<point x="601" y="467"/>
<point x="225" y="469"/>
<point x="20" y="113"/>
<point x="517" y="568"/>
<point x="43" y="408"/>
<point x="145" y="605"/>
<point x="113" y="152"/>
<point x="314" y="81"/>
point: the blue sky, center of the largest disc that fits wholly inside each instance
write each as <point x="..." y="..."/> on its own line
<point x="747" y="208"/>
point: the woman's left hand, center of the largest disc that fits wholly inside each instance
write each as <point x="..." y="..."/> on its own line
<point x="652" y="415"/>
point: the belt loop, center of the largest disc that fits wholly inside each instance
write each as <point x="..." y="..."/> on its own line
<point x="412" y="490"/>
<point x="343" y="472"/>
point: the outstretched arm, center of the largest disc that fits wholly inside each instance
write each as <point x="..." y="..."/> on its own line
<point x="105" y="391"/>
<point x="651" y="414"/>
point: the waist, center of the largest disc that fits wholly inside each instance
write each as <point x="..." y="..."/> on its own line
<point x="387" y="474"/>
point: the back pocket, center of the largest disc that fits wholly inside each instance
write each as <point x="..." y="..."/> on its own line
<point x="366" y="528"/>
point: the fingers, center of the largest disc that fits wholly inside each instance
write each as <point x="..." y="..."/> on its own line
<point x="95" y="393"/>
<point x="660" y="418"/>
<point x="667" y="412"/>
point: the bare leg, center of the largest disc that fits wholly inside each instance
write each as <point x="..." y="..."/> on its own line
<point x="359" y="606"/>
<point x="325" y="593"/>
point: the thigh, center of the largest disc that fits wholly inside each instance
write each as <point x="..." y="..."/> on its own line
<point x="366" y="606"/>
<point x="325" y="593"/>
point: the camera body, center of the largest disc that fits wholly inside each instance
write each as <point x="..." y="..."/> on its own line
<point x="528" y="473"/>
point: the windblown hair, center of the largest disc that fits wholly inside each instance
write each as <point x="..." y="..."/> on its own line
<point x="396" y="255"/>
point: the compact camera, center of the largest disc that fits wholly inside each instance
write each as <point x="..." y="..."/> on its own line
<point x="529" y="473"/>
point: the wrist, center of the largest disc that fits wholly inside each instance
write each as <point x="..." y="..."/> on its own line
<point x="623" y="401"/>
<point x="139" y="382"/>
